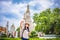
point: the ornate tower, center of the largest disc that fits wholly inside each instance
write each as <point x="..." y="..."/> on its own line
<point x="7" y="24"/>
<point x="27" y="15"/>
<point x="27" y="18"/>
<point x="12" y="29"/>
<point x="7" y="31"/>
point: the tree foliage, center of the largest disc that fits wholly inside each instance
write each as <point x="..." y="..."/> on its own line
<point x="18" y="29"/>
<point x="48" y="21"/>
<point x="33" y="34"/>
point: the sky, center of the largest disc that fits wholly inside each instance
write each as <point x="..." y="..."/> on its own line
<point x="13" y="10"/>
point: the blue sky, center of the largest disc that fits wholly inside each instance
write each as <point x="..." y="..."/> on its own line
<point x="13" y="10"/>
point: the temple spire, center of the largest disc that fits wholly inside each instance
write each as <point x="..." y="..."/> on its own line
<point x="7" y="27"/>
<point x="7" y="24"/>
<point x="28" y="11"/>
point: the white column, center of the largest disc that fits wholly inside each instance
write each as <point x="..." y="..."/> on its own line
<point x="16" y="34"/>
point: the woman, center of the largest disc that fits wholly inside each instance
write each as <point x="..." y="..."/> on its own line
<point x="26" y="32"/>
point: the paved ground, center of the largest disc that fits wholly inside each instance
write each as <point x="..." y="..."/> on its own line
<point x="50" y="36"/>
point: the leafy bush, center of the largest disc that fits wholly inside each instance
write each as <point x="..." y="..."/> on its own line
<point x="3" y="35"/>
<point x="33" y="34"/>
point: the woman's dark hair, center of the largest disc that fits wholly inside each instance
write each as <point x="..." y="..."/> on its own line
<point x="25" y="28"/>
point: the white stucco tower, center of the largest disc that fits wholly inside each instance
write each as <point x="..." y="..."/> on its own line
<point x="28" y="19"/>
<point x="12" y="29"/>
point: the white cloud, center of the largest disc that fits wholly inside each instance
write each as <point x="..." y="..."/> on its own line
<point x="16" y="22"/>
<point x="44" y="4"/>
<point x="12" y="8"/>
<point x="19" y="9"/>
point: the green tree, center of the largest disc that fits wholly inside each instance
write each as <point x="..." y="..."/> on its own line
<point x="48" y="21"/>
<point x="18" y="29"/>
